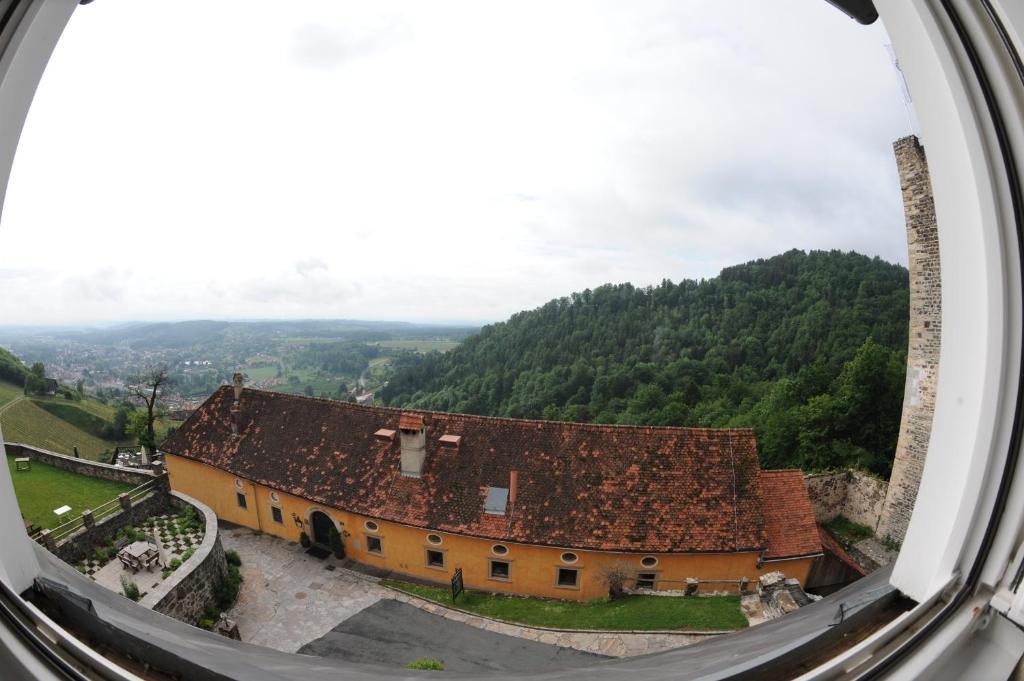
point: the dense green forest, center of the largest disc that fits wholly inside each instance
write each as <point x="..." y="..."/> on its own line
<point x="807" y="348"/>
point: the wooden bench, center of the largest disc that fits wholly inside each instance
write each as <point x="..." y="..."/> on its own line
<point x="22" y="463"/>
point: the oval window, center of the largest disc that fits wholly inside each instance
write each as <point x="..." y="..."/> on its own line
<point x="370" y="525"/>
<point x="569" y="557"/>
<point x="274" y="497"/>
<point x="434" y="538"/>
<point x="499" y="549"/>
<point x="648" y="561"/>
<point x="238" y="483"/>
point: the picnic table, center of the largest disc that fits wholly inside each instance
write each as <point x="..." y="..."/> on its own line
<point x="138" y="555"/>
<point x="22" y="463"/>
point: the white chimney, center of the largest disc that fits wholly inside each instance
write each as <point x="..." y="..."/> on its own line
<point x="414" y="444"/>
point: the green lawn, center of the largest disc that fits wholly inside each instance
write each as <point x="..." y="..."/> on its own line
<point x="8" y="392"/>
<point x="45" y="488"/>
<point x="260" y="373"/>
<point x="847" y="531"/>
<point x="638" y="613"/>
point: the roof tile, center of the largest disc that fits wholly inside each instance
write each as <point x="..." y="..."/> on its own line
<point x="585" y="486"/>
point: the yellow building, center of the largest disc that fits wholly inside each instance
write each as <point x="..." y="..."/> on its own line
<point x="526" y="507"/>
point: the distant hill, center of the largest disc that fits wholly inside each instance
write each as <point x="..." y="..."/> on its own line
<point x="807" y="348"/>
<point x="199" y="333"/>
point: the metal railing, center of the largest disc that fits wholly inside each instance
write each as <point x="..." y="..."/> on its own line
<point x="100" y="512"/>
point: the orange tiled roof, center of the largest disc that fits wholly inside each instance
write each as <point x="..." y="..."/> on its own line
<point x="829" y="543"/>
<point x="586" y="486"/>
<point x="788" y="515"/>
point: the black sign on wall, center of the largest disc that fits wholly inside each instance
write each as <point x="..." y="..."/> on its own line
<point x="457" y="585"/>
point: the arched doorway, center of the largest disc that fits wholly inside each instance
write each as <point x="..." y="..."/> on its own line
<point x="322" y="525"/>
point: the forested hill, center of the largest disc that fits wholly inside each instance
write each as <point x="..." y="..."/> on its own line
<point x="12" y="369"/>
<point x="808" y="348"/>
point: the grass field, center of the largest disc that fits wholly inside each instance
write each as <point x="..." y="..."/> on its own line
<point x="75" y="415"/>
<point x="419" y="345"/>
<point x="59" y="424"/>
<point x="45" y="488"/>
<point x="636" y="613"/>
<point x="28" y="423"/>
<point x="9" y="392"/>
<point x="260" y="373"/>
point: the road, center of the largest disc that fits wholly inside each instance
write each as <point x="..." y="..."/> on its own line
<point x="393" y="634"/>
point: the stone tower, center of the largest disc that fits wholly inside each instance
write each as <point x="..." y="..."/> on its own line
<point x="925" y="333"/>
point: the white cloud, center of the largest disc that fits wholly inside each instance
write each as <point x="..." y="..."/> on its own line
<point x="451" y="160"/>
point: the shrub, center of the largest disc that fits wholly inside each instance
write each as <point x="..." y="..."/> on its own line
<point x="428" y="663"/>
<point x="175" y="563"/>
<point x="188" y="554"/>
<point x="226" y="590"/>
<point x="102" y="554"/>
<point x="80" y="567"/>
<point x="615" y="576"/>
<point x="304" y="540"/>
<point x="190" y="520"/>
<point x="337" y="545"/>
<point x="130" y="588"/>
<point x="165" y="573"/>
<point x="209" y="619"/>
<point x="233" y="558"/>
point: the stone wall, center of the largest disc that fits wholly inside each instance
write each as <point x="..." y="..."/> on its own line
<point x="925" y="337"/>
<point x="93" y="469"/>
<point x="78" y="545"/>
<point x="185" y="594"/>
<point x="855" y="495"/>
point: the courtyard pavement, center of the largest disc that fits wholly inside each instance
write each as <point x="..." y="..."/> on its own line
<point x="290" y="599"/>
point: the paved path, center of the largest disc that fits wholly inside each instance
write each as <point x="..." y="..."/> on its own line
<point x="289" y="599"/>
<point x="393" y="634"/>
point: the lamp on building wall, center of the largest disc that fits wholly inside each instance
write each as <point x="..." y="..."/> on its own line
<point x="297" y="519"/>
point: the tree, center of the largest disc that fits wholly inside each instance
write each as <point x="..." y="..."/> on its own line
<point x="35" y="381"/>
<point x="615" y="576"/>
<point x="146" y="387"/>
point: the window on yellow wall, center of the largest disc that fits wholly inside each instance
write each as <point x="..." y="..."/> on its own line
<point x="275" y="513"/>
<point x="242" y="501"/>
<point x="500" y="569"/>
<point x="435" y="559"/>
<point x="646" y="580"/>
<point x="568" y="578"/>
<point x="373" y="545"/>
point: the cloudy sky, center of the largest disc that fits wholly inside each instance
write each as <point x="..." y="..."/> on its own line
<point x="438" y="161"/>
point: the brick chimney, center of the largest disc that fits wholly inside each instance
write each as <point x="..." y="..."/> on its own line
<point x="513" y="489"/>
<point x="236" y="406"/>
<point x="414" y="444"/>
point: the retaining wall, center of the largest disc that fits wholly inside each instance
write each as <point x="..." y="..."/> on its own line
<point x="185" y="594"/>
<point x="93" y="469"/>
<point x="855" y="495"/>
<point x="80" y="544"/>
